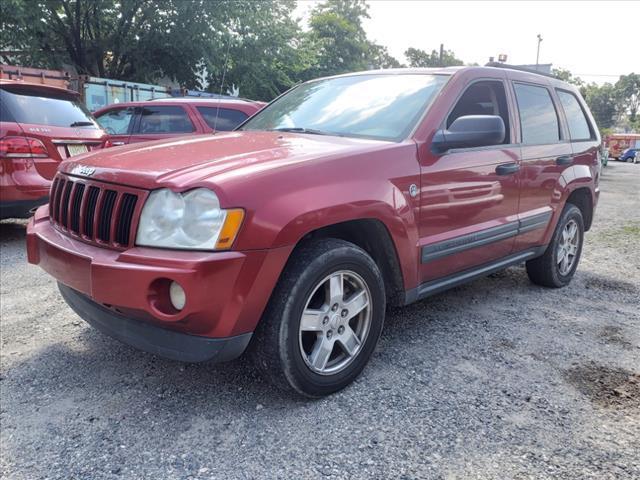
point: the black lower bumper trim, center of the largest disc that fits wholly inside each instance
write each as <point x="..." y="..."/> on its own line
<point x="151" y="338"/>
<point x="20" y="208"/>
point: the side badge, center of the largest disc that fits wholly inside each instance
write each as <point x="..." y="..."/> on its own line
<point x="413" y="190"/>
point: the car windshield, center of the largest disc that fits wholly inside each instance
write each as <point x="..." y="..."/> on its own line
<point x="378" y="106"/>
<point x="40" y="108"/>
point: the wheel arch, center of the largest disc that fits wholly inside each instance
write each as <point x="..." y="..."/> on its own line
<point x="581" y="197"/>
<point x="373" y="237"/>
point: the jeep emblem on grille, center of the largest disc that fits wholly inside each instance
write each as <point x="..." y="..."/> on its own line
<point x="83" y="170"/>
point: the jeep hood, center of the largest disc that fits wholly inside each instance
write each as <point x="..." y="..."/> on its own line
<point x="199" y="160"/>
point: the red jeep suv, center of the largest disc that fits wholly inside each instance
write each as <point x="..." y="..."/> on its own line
<point x="40" y="126"/>
<point x="293" y="233"/>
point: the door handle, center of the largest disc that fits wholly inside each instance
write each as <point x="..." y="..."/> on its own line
<point x="507" y="168"/>
<point x="564" y="160"/>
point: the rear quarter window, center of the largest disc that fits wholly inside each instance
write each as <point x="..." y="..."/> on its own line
<point x="44" y="108"/>
<point x="576" y="119"/>
<point x="538" y="117"/>
<point x="222" y="119"/>
<point x="164" y="119"/>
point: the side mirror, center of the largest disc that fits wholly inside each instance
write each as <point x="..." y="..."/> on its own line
<point x="470" y="131"/>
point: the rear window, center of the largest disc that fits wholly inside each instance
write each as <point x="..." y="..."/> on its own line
<point x="164" y="119"/>
<point x="578" y="123"/>
<point x="222" y="119"/>
<point x="538" y="117"/>
<point x="39" y="108"/>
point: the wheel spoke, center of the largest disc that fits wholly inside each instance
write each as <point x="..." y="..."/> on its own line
<point x="572" y="232"/>
<point x="349" y="341"/>
<point x="564" y="266"/>
<point x="336" y="292"/>
<point x="321" y="353"/>
<point x="311" y="320"/>
<point x="561" y="255"/>
<point x="357" y="303"/>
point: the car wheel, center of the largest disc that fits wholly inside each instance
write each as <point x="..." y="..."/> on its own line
<point x="323" y="320"/>
<point x="556" y="267"/>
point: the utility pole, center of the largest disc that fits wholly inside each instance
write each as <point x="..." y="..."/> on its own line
<point x="538" y="54"/>
<point x="441" y="54"/>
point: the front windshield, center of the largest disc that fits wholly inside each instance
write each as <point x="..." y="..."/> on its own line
<point x="379" y="106"/>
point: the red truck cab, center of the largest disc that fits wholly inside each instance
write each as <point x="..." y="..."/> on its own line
<point x="345" y="195"/>
<point x="135" y="122"/>
<point x="40" y="125"/>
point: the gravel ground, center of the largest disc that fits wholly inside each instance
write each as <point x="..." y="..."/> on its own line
<point x="496" y="379"/>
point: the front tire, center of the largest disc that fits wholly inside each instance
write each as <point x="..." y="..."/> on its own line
<point x="557" y="266"/>
<point x="323" y="321"/>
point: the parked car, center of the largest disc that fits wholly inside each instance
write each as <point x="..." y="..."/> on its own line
<point x="628" y="155"/>
<point x="344" y="196"/>
<point x="617" y="143"/>
<point x="134" y="122"/>
<point x="40" y="125"/>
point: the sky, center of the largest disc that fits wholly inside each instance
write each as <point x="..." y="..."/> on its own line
<point x="586" y="37"/>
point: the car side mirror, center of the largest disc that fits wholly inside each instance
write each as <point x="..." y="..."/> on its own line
<point x="470" y="131"/>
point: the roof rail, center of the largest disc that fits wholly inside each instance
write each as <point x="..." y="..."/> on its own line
<point x="521" y="69"/>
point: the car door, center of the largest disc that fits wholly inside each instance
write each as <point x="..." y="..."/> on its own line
<point x="155" y="122"/>
<point x="469" y="196"/>
<point x="118" y="123"/>
<point x="545" y="153"/>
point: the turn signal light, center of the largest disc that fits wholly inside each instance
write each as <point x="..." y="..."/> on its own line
<point x="22" y="147"/>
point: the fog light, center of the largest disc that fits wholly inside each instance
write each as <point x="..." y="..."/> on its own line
<point x="177" y="296"/>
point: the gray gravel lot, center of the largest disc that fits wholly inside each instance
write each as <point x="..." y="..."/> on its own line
<point x="497" y="379"/>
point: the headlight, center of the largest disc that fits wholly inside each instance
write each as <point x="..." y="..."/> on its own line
<point x="190" y="220"/>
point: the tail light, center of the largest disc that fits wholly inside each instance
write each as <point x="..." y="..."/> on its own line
<point x="22" y="147"/>
<point x="107" y="143"/>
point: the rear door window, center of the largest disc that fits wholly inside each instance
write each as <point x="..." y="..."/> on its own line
<point x="576" y="119"/>
<point x="164" y="119"/>
<point x="538" y="118"/>
<point x="116" y="121"/>
<point x="37" y="107"/>
<point x="222" y="119"/>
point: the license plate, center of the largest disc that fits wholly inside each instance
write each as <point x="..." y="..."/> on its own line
<point x="77" y="149"/>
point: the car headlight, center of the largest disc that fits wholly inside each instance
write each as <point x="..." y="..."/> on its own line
<point x="189" y="220"/>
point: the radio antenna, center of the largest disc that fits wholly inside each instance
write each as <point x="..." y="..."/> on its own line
<point x="224" y="73"/>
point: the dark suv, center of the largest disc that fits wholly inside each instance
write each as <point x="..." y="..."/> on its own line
<point x="343" y="196"/>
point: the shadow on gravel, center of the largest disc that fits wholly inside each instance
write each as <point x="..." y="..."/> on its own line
<point x="12" y="230"/>
<point x="606" y="387"/>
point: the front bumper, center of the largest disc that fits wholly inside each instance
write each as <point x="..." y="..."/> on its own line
<point x="151" y="338"/>
<point x="226" y="292"/>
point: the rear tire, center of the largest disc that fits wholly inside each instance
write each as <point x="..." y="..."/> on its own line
<point x="339" y="289"/>
<point x="557" y="266"/>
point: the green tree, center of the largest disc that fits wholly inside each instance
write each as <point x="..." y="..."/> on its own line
<point x="567" y="76"/>
<point x="628" y="94"/>
<point x="602" y="101"/>
<point x="337" y="36"/>
<point x="144" y="40"/>
<point x="420" y="58"/>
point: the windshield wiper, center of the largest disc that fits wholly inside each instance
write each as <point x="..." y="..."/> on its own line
<point x="81" y="124"/>
<point x="311" y="131"/>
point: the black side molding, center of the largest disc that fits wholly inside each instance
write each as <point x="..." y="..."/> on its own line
<point x="483" y="237"/>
